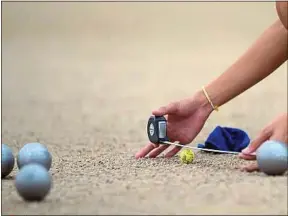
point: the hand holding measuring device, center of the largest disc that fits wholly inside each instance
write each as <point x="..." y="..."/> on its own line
<point x="157" y="134"/>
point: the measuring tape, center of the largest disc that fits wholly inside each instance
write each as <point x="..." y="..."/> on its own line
<point x="157" y="134"/>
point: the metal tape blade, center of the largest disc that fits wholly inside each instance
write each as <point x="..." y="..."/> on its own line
<point x="201" y="149"/>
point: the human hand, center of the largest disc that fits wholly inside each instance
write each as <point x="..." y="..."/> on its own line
<point x="277" y="130"/>
<point x="185" y="119"/>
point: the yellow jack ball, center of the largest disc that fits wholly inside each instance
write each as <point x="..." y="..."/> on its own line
<point x="187" y="156"/>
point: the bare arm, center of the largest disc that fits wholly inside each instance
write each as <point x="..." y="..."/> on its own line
<point x="282" y="11"/>
<point x="259" y="61"/>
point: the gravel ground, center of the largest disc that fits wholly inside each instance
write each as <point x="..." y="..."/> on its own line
<point x="82" y="78"/>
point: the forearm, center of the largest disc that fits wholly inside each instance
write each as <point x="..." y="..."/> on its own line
<point x="263" y="57"/>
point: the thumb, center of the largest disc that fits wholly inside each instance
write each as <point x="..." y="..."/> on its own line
<point x="171" y="108"/>
<point x="253" y="146"/>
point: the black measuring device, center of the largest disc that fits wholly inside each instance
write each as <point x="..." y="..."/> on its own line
<point x="157" y="134"/>
<point x="157" y="129"/>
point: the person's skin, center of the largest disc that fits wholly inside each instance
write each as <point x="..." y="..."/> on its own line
<point x="277" y="129"/>
<point x="282" y="11"/>
<point x="186" y="118"/>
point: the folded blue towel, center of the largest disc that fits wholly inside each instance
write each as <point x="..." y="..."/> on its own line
<point x="226" y="139"/>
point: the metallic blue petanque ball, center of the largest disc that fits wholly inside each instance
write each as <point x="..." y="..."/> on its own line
<point x="272" y="157"/>
<point x="33" y="182"/>
<point x="7" y="160"/>
<point x="34" y="153"/>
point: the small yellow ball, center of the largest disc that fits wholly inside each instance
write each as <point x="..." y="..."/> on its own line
<point x="186" y="156"/>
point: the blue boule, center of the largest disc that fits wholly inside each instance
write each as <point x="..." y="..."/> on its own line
<point x="33" y="182"/>
<point x="34" y="153"/>
<point x="272" y="157"/>
<point x="7" y="160"/>
<point x="34" y="145"/>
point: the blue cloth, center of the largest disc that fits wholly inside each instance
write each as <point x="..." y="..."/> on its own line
<point x="226" y="139"/>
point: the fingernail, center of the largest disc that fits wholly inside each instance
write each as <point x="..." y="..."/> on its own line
<point x="246" y="151"/>
<point x="159" y="111"/>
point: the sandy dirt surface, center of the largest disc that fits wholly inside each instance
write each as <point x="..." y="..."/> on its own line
<point x="82" y="78"/>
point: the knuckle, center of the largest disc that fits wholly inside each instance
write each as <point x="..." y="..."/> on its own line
<point x="265" y="132"/>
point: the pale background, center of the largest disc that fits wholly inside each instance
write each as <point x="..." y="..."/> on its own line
<point x="82" y="78"/>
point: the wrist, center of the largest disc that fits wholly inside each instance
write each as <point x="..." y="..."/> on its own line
<point x="203" y="102"/>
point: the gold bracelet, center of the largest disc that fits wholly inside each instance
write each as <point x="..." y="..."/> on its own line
<point x="208" y="98"/>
